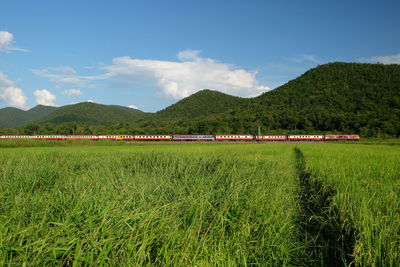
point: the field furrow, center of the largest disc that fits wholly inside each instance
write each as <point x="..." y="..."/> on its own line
<point x="330" y="238"/>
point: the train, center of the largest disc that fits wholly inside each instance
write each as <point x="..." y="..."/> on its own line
<point x="192" y="137"/>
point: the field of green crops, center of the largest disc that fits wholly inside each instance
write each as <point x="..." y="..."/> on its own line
<point x="199" y="204"/>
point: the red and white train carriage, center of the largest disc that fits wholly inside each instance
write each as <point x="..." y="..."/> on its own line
<point x="331" y="137"/>
<point x="233" y="137"/>
<point x="306" y="138"/>
<point x="271" y="138"/>
<point x="152" y="137"/>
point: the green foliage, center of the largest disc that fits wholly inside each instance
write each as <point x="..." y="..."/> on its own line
<point x="200" y="104"/>
<point x="344" y="97"/>
<point x="82" y="113"/>
<point x="12" y="117"/>
<point x="93" y="114"/>
<point x="31" y="129"/>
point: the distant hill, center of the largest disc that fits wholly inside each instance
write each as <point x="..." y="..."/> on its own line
<point x="13" y="117"/>
<point x="200" y="104"/>
<point x="40" y="111"/>
<point x="178" y="117"/>
<point x="83" y="113"/>
<point x="93" y="114"/>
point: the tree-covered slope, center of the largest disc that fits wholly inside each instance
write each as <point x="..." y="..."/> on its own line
<point x="178" y="117"/>
<point x="12" y="117"/>
<point x="351" y="97"/>
<point x="200" y="104"/>
<point x="93" y="114"/>
<point x="40" y="111"/>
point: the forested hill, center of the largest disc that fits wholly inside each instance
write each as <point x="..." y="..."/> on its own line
<point x="81" y="113"/>
<point x="345" y="97"/>
<point x="12" y="117"/>
<point x="93" y="114"/>
<point x="200" y="104"/>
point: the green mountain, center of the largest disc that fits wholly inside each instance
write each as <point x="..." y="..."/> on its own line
<point x="178" y="117"/>
<point x="12" y="117"/>
<point x="345" y="97"/>
<point x="200" y="104"/>
<point x="93" y="114"/>
<point x="40" y="111"/>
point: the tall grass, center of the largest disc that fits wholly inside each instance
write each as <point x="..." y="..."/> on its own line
<point x="149" y="205"/>
<point x="367" y="184"/>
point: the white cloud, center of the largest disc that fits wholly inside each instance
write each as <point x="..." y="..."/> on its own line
<point x="64" y="69"/>
<point x="66" y="75"/>
<point x="188" y="55"/>
<point x="174" y="79"/>
<point x="6" y="42"/>
<point x="303" y="58"/>
<point x="44" y="97"/>
<point x="393" y="59"/>
<point x="74" y="93"/>
<point x="180" y="79"/>
<point x="61" y="78"/>
<point x="9" y="94"/>
<point x="133" y="106"/>
<point x="90" y="101"/>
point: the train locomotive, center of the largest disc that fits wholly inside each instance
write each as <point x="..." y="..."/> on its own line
<point x="191" y="138"/>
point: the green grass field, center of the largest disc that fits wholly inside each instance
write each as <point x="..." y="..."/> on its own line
<point x="199" y="204"/>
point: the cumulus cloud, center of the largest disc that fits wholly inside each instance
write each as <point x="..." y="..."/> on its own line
<point x="74" y="93"/>
<point x="180" y="79"/>
<point x="44" y="97"/>
<point x="90" y="101"/>
<point x="6" y="42"/>
<point x="393" y="59"/>
<point x="9" y="94"/>
<point x="174" y="79"/>
<point x="133" y="106"/>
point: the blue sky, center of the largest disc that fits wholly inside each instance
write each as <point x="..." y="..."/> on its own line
<point x="150" y="54"/>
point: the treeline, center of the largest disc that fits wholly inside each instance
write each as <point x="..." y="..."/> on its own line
<point x="196" y="127"/>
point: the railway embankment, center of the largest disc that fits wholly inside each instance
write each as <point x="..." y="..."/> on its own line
<point x="330" y="239"/>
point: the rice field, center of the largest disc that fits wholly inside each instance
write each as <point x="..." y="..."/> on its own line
<point x="366" y="185"/>
<point x="199" y="204"/>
